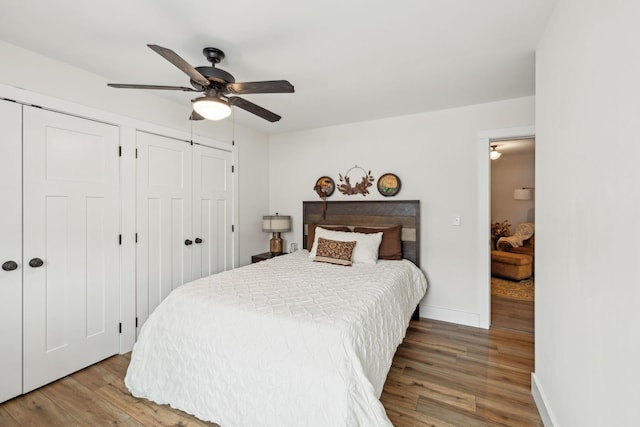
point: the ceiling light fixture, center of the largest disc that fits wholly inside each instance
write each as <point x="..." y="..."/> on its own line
<point x="211" y="108"/>
<point x="494" y="154"/>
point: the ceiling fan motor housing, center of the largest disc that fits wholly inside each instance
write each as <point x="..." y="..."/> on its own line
<point x="213" y="75"/>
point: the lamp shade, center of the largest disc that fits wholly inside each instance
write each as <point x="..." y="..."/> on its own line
<point x="522" y="194"/>
<point x="276" y="223"/>
<point x="211" y="108"/>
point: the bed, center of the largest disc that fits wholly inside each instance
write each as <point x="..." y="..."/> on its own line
<point x="288" y="341"/>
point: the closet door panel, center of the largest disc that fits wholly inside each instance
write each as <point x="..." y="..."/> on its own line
<point x="163" y="260"/>
<point x="213" y="210"/>
<point x="71" y="226"/>
<point x="11" y="250"/>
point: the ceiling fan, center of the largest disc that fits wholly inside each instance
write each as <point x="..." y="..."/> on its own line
<point x="217" y="85"/>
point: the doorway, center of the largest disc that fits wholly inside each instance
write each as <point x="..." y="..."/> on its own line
<point x="484" y="213"/>
<point x="512" y="207"/>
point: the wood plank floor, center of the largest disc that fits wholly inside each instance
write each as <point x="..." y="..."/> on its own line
<point x="442" y="375"/>
<point x="509" y="313"/>
<point x="451" y="375"/>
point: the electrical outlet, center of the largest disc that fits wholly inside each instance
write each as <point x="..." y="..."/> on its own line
<point x="456" y="221"/>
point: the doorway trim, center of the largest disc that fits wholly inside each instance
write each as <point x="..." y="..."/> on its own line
<point x="484" y="213"/>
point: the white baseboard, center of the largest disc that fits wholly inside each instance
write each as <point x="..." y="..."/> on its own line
<point x="448" y="315"/>
<point x="541" y="402"/>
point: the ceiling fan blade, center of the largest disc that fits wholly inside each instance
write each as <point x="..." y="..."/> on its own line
<point x="135" y="86"/>
<point x="195" y="116"/>
<point x="183" y="65"/>
<point x="253" y="108"/>
<point x="272" y="86"/>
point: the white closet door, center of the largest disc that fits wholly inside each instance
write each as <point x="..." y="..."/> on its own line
<point x="71" y="224"/>
<point x="163" y="260"/>
<point x="212" y="211"/>
<point x="11" y="250"/>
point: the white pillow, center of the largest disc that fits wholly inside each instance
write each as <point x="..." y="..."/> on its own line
<point x="366" y="250"/>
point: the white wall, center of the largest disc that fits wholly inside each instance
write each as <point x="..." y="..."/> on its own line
<point x="253" y="155"/>
<point x="509" y="172"/>
<point x="435" y="156"/>
<point x="588" y="203"/>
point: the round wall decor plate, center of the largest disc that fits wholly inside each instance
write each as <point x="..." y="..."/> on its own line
<point x="389" y="184"/>
<point x="326" y="184"/>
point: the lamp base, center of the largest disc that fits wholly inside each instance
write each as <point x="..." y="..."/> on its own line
<point x="275" y="244"/>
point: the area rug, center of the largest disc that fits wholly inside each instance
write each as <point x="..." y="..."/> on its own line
<point x="522" y="290"/>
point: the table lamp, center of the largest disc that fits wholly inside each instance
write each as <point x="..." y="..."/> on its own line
<point x="276" y="224"/>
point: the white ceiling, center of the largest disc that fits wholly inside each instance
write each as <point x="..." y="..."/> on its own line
<point x="349" y="60"/>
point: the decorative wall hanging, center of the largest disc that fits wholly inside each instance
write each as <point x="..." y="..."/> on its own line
<point x="389" y="184"/>
<point x="361" y="187"/>
<point x="325" y="187"/>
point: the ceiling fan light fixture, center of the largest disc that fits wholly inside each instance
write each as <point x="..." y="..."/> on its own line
<point x="211" y="108"/>
<point x="494" y="154"/>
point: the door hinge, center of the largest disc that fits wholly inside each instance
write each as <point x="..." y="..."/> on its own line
<point x="136" y="237"/>
<point x="120" y="151"/>
<point x="120" y="327"/>
<point x="119" y="239"/>
<point x="136" y="322"/>
<point x="233" y="168"/>
<point x="233" y="228"/>
<point x="136" y="153"/>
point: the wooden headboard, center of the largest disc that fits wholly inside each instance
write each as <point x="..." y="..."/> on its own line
<point x="383" y="213"/>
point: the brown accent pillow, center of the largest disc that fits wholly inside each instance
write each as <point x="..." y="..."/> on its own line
<point x="311" y="232"/>
<point x="334" y="252"/>
<point x="391" y="246"/>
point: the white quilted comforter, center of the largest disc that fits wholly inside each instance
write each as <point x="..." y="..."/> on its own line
<point x="284" y="342"/>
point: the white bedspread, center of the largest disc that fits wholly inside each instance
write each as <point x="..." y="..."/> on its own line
<point x="283" y="342"/>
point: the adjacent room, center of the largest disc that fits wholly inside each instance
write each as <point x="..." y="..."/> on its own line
<point x="513" y="234"/>
<point x="333" y="214"/>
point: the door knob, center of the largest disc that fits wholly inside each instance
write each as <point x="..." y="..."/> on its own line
<point x="9" y="265"/>
<point x="36" y="262"/>
<point x="188" y="242"/>
<point x="198" y="240"/>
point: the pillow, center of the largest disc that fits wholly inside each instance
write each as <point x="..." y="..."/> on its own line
<point x="311" y="232"/>
<point x="334" y="252"/>
<point x="366" y="250"/>
<point x="391" y="246"/>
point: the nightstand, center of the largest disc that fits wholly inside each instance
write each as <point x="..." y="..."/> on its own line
<point x="262" y="257"/>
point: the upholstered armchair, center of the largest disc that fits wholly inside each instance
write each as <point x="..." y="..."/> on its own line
<point x="522" y="241"/>
<point x="514" y="258"/>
